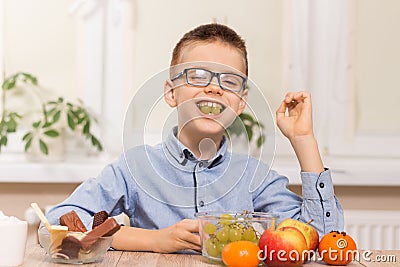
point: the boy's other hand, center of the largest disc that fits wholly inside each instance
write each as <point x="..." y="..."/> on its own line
<point x="297" y="123"/>
<point x="177" y="237"/>
<point x="297" y="126"/>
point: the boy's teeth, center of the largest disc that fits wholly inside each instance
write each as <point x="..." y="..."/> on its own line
<point x="210" y="108"/>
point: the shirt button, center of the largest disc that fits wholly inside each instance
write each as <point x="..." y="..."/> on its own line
<point x="201" y="203"/>
<point x="321" y="185"/>
<point x="181" y="155"/>
<point x="328" y="214"/>
<point x="201" y="164"/>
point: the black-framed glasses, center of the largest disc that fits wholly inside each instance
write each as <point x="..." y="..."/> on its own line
<point x="202" y="77"/>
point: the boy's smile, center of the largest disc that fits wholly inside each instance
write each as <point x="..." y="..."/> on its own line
<point x="210" y="107"/>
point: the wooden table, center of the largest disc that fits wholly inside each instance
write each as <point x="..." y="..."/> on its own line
<point x="36" y="256"/>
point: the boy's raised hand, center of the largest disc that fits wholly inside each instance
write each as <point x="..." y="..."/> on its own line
<point x="297" y="126"/>
<point x="298" y="121"/>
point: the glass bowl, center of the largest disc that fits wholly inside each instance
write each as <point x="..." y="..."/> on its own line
<point x="220" y="228"/>
<point x="92" y="254"/>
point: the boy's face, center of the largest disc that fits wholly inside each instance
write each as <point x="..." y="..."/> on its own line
<point x="207" y="109"/>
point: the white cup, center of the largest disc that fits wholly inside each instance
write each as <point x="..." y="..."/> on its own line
<point x="13" y="235"/>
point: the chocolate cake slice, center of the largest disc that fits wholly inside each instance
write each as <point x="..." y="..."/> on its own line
<point x="73" y="222"/>
<point x="107" y="228"/>
<point x="70" y="247"/>
<point x="99" y="218"/>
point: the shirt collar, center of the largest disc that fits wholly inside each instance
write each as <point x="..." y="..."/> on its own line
<point x="184" y="157"/>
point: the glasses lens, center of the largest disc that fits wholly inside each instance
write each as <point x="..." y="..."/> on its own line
<point x="198" y="76"/>
<point x="231" y="81"/>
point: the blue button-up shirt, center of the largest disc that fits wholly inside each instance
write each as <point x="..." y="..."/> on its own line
<point x="157" y="186"/>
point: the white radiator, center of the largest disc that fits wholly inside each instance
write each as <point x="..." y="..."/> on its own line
<point x="374" y="229"/>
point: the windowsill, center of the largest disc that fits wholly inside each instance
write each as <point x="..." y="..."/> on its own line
<point x="15" y="168"/>
<point x="346" y="171"/>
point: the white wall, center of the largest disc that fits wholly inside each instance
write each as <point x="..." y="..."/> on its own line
<point x="376" y="58"/>
<point x="40" y="38"/>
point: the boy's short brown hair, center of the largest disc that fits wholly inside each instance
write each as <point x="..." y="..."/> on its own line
<point x="209" y="33"/>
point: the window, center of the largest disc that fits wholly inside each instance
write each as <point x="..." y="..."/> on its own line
<point x="76" y="50"/>
<point x="365" y="115"/>
<point x="346" y="53"/>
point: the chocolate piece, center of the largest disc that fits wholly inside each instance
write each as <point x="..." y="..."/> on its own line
<point x="99" y="218"/>
<point x="70" y="247"/>
<point x="73" y="222"/>
<point x="108" y="228"/>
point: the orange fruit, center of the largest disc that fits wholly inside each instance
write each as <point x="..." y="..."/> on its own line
<point x="240" y="254"/>
<point x="337" y="248"/>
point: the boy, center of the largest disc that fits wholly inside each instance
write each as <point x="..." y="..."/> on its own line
<point x="207" y="85"/>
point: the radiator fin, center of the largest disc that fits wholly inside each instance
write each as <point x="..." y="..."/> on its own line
<point x="374" y="229"/>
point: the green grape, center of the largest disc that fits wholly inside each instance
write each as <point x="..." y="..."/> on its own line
<point x="256" y="241"/>
<point x="215" y="110"/>
<point x="210" y="228"/>
<point x="220" y="246"/>
<point x="211" y="248"/>
<point x="205" y="109"/>
<point x="249" y="234"/>
<point x="235" y="234"/>
<point x="225" y="219"/>
<point x="223" y="234"/>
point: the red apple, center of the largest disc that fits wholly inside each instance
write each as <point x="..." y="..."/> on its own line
<point x="283" y="247"/>
<point x="309" y="232"/>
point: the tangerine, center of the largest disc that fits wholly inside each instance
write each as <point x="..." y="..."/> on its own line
<point x="337" y="248"/>
<point x="241" y="254"/>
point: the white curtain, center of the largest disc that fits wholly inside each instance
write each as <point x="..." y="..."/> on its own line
<point x="315" y="37"/>
<point x="108" y="31"/>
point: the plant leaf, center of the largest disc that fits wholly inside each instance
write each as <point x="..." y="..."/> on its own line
<point x="51" y="111"/>
<point x="260" y="140"/>
<point x="246" y="117"/>
<point x="57" y="116"/>
<point x="36" y="124"/>
<point x="249" y="132"/>
<point x="52" y="133"/>
<point x="71" y="122"/>
<point x="29" y="77"/>
<point x="47" y="124"/>
<point x="96" y="143"/>
<point x="11" y="85"/>
<point x="26" y="136"/>
<point x="43" y="147"/>
<point x="81" y="119"/>
<point x="236" y="127"/>
<point x="15" y="115"/>
<point x="86" y="128"/>
<point x="28" y="144"/>
<point x="3" y="140"/>
<point x="11" y="126"/>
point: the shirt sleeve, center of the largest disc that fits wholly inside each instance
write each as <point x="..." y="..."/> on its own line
<point x="318" y="202"/>
<point x="109" y="191"/>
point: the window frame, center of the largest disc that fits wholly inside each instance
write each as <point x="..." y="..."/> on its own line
<point x="343" y="139"/>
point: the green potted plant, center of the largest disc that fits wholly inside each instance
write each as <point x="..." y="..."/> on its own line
<point x="246" y="124"/>
<point x="54" y="116"/>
